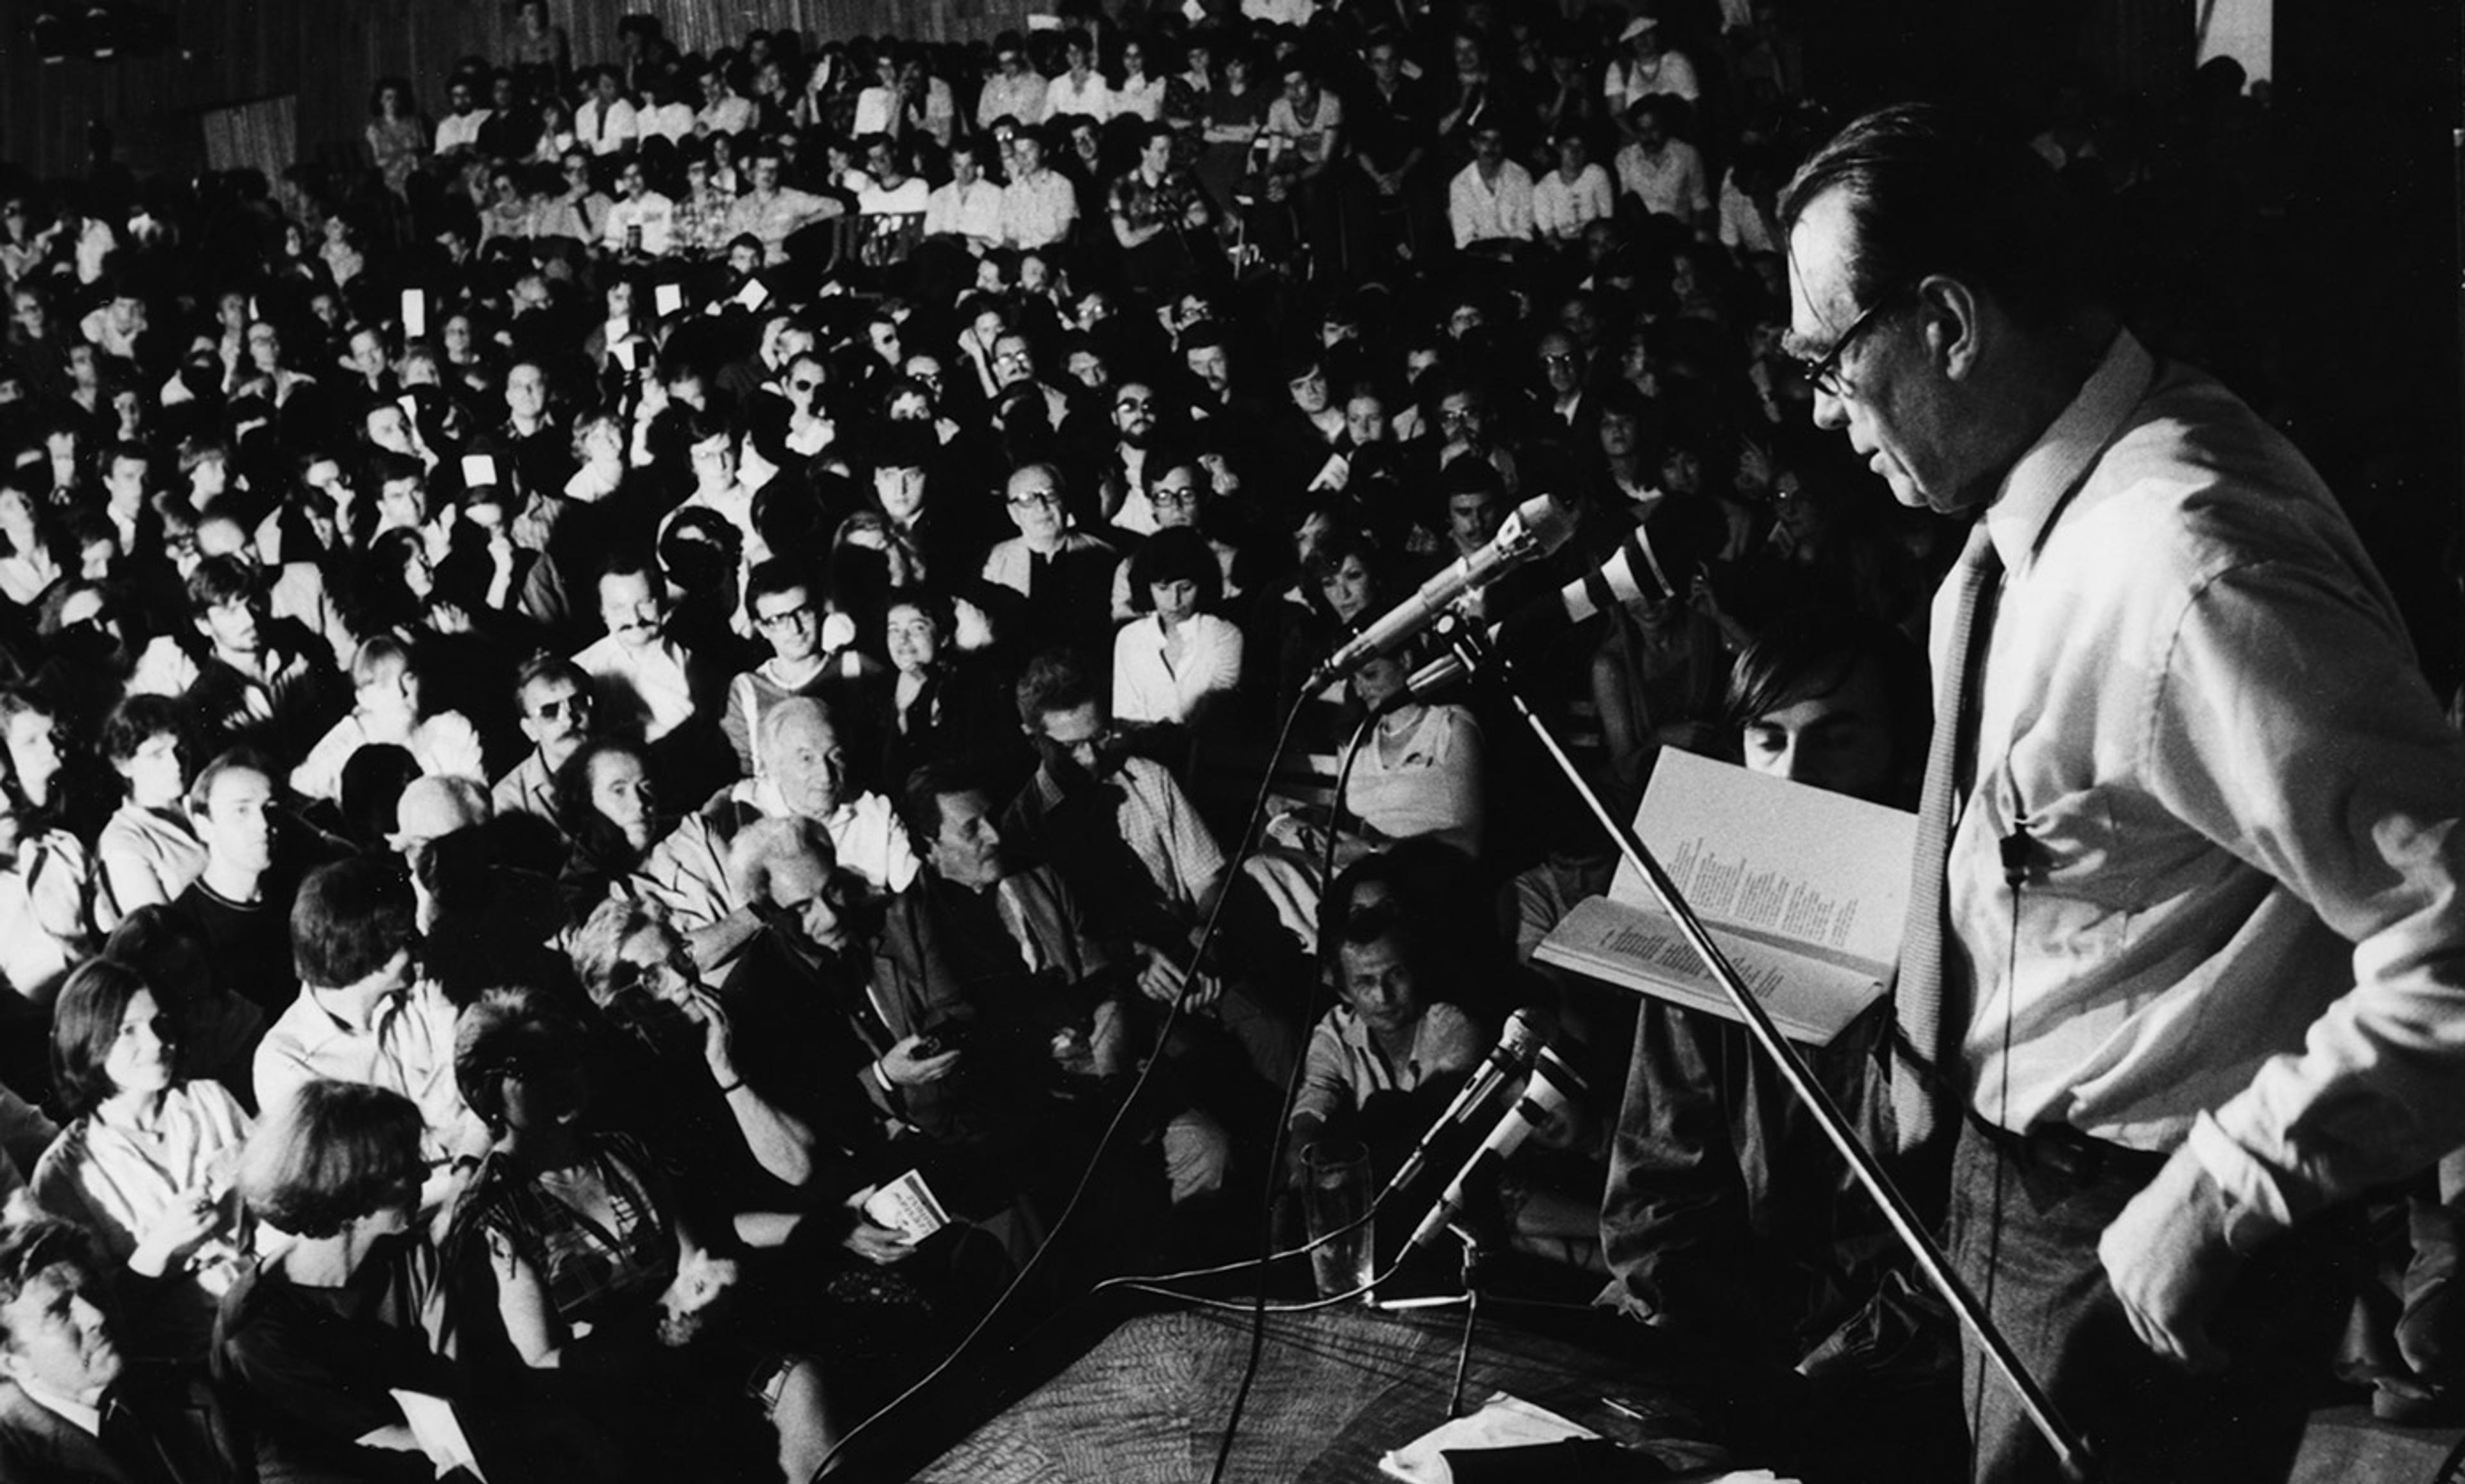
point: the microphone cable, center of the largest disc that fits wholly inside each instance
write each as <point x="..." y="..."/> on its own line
<point x="1283" y="1117"/>
<point x="1112" y="1130"/>
<point x="1258" y="1309"/>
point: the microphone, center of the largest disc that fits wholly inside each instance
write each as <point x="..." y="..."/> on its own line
<point x="1554" y="1085"/>
<point x="1631" y="573"/>
<point x="1516" y="1045"/>
<point x="1537" y="527"/>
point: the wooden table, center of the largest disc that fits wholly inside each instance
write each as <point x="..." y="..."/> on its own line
<point x="1335" y="1391"/>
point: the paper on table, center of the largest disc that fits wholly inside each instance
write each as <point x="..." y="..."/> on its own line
<point x="1503" y="1421"/>
<point x="439" y="1433"/>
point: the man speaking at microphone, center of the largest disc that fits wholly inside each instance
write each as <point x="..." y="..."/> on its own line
<point x="2184" y="961"/>
<point x="2185" y="930"/>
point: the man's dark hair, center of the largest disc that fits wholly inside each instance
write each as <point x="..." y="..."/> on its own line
<point x="32" y="1247"/>
<point x="221" y="580"/>
<point x="1054" y="680"/>
<point x="921" y="796"/>
<point x="1813" y="652"/>
<point x="1931" y="192"/>
<point x="1376" y="923"/>
<point x="777" y="575"/>
<point x="349" y="919"/>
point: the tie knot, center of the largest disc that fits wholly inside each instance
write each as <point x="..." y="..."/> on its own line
<point x="1980" y="560"/>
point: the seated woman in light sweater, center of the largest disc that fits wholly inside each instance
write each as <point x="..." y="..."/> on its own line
<point x="1180" y="659"/>
<point x="387" y="685"/>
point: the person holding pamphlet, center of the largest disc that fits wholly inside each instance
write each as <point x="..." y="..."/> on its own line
<point x="1727" y="1216"/>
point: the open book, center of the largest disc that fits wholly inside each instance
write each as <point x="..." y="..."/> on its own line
<point x="1804" y="890"/>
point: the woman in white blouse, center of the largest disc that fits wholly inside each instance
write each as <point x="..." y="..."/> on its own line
<point x="1139" y="93"/>
<point x="1168" y="666"/>
<point x="146" y="1160"/>
<point x="389" y="710"/>
<point x="149" y="852"/>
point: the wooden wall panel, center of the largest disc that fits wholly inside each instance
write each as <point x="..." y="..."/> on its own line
<point x="330" y="54"/>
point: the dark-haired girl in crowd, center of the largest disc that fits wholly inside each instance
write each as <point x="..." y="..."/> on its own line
<point x="148" y="1158"/>
<point x="149" y="850"/>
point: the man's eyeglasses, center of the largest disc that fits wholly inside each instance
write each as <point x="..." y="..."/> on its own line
<point x="1823" y="372"/>
<point x="785" y="617"/>
<point x="560" y="706"/>
<point x="1134" y="405"/>
<point x="806" y="386"/>
<point x="1050" y="499"/>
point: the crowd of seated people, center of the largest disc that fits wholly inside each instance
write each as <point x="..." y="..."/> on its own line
<point x="698" y="631"/>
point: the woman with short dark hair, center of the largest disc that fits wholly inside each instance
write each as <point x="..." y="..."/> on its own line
<point x="147" y="1157"/>
<point x="1180" y="656"/>
<point x="314" y="1345"/>
<point x="149" y="850"/>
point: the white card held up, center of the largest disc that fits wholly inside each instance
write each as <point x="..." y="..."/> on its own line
<point x="907" y="1206"/>
<point x="1804" y="890"/>
<point x="754" y="294"/>
<point x="666" y="298"/>
<point x="477" y="469"/>
<point x="415" y="314"/>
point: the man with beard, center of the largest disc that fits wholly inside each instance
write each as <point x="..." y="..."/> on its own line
<point x="252" y="680"/>
<point x="1130" y="466"/>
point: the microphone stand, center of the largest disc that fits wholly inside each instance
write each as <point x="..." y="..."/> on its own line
<point x="1472" y="648"/>
<point x="1472" y="1276"/>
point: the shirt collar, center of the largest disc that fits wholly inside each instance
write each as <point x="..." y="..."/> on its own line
<point x="87" y="1419"/>
<point x="2043" y="478"/>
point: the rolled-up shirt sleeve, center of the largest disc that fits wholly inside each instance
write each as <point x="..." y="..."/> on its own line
<point x="2288" y="724"/>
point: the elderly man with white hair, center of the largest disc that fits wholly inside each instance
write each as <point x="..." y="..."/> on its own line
<point x="481" y="924"/>
<point x="805" y="777"/>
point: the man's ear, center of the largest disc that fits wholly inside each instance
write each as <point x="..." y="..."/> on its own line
<point x="1955" y="324"/>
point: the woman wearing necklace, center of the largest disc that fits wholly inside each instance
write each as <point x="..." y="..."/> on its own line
<point x="146" y="1160"/>
<point x="575" y="1255"/>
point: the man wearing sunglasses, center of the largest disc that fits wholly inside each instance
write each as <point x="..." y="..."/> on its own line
<point x="2182" y="966"/>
